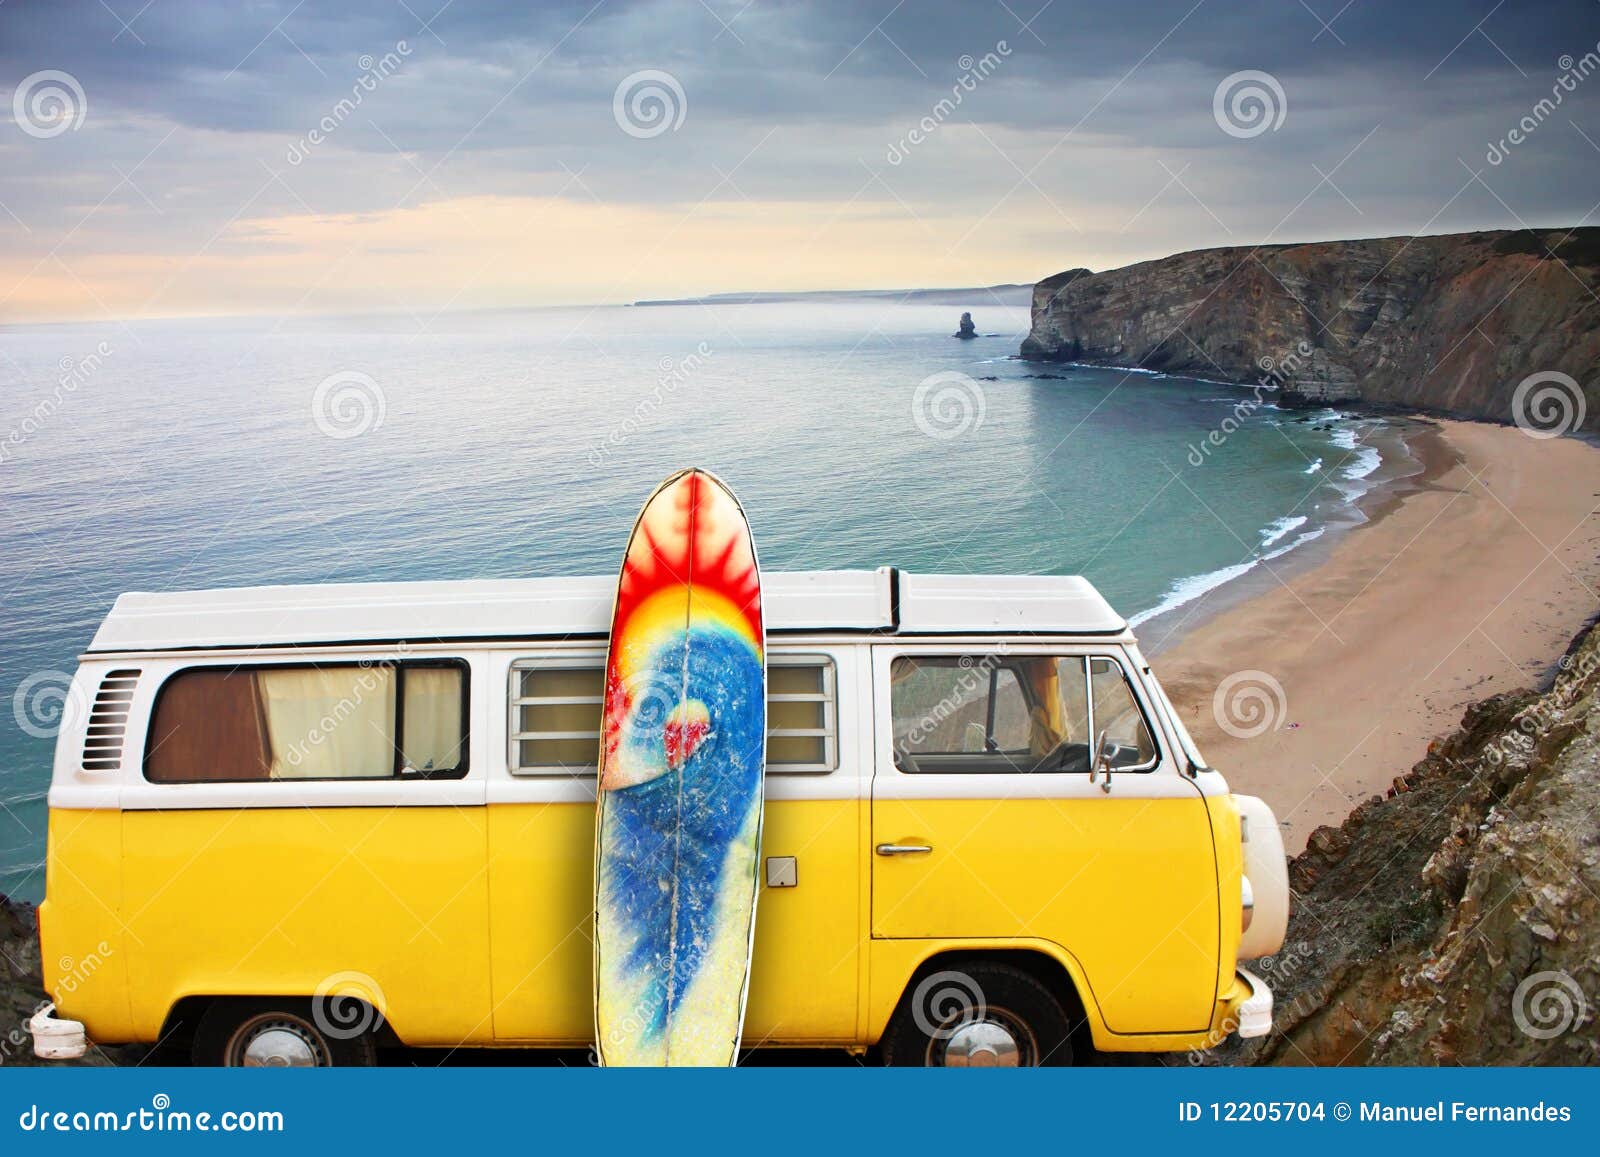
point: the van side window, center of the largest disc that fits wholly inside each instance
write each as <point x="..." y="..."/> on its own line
<point x="1116" y="712"/>
<point x="556" y="706"/>
<point x="802" y="714"/>
<point x="1020" y="713"/>
<point x="308" y="722"/>
<point x="555" y="716"/>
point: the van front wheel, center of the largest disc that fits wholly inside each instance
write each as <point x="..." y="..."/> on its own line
<point x="978" y="1016"/>
<point x="276" y="1034"/>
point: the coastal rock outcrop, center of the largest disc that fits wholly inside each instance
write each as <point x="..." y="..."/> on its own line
<point x="967" y="330"/>
<point x="1450" y="323"/>
<point x="1456" y="920"/>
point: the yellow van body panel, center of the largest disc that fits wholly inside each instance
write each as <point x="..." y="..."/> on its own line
<point x="1127" y="886"/>
<point x="83" y="945"/>
<point x="1225" y="834"/>
<point x="388" y="902"/>
<point x="471" y="925"/>
<point x="805" y="973"/>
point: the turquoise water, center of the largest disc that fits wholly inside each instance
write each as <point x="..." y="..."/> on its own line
<point x="199" y="453"/>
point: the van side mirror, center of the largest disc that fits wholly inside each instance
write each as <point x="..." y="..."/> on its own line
<point x="1104" y="751"/>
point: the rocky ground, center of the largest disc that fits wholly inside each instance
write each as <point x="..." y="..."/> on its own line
<point x="1454" y="921"/>
<point x="1457" y="919"/>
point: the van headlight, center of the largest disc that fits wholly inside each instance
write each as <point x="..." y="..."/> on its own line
<point x="1247" y="902"/>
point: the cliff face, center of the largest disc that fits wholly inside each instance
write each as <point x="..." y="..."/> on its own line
<point x="1449" y="323"/>
<point x="1457" y="920"/>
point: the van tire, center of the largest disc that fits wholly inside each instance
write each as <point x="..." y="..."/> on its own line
<point x="226" y="1032"/>
<point x="971" y="1008"/>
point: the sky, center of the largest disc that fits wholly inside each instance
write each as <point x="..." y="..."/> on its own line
<point x="164" y="158"/>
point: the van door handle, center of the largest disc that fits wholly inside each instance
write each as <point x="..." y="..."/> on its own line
<point x="904" y="849"/>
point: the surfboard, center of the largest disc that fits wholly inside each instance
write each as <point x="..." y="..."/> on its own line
<point x="682" y="756"/>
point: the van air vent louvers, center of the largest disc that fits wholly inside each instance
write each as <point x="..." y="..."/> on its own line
<point x="108" y="720"/>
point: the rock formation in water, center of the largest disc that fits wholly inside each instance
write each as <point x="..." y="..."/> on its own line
<point x="1456" y="921"/>
<point x="1449" y="323"/>
<point x="966" y="331"/>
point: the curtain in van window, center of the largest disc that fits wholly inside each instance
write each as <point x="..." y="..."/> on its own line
<point x="336" y="723"/>
<point x="432" y="718"/>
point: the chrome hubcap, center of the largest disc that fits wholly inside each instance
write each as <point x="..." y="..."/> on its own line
<point x="982" y="1044"/>
<point x="279" y="1042"/>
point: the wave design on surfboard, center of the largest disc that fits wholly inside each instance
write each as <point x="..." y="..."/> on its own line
<point x="682" y="752"/>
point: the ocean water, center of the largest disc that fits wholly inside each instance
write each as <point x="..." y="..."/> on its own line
<point x="182" y="454"/>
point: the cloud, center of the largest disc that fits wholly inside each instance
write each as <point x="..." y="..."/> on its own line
<point x="215" y="136"/>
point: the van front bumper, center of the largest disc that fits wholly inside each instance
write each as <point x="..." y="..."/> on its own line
<point x="1253" y="1014"/>
<point x="55" y="1039"/>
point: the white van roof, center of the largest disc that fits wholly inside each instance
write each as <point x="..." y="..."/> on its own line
<point x="884" y="601"/>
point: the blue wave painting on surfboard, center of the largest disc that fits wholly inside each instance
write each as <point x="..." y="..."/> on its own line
<point x="682" y="754"/>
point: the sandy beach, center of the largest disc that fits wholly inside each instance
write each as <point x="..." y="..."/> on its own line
<point x="1470" y="578"/>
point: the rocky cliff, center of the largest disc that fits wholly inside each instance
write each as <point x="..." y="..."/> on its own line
<point x="1450" y="323"/>
<point x="1457" y="919"/>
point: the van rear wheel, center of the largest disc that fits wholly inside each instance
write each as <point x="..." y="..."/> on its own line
<point x="980" y="1015"/>
<point x="277" y="1034"/>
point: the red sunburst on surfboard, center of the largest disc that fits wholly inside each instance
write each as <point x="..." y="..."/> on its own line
<point x="691" y="533"/>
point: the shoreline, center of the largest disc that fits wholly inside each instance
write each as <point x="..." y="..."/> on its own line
<point x="1404" y="459"/>
<point x="1461" y="578"/>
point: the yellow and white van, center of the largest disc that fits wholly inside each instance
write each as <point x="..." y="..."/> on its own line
<point x="291" y="824"/>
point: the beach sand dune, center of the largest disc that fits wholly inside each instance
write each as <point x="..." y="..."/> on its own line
<point x="1470" y="579"/>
